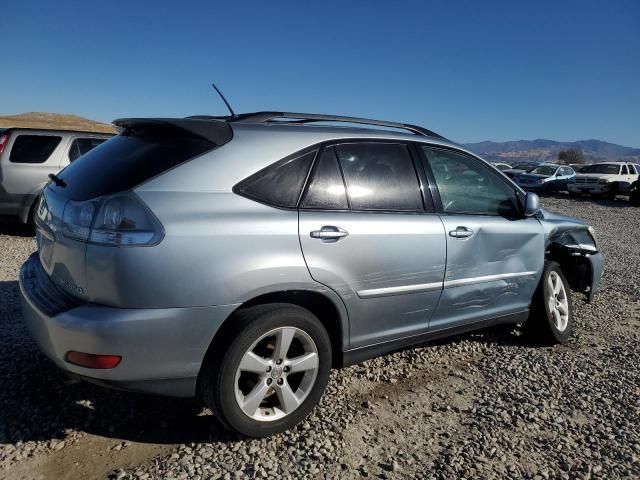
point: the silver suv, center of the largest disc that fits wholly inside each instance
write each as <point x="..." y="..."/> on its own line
<point x="240" y="258"/>
<point x="28" y="156"/>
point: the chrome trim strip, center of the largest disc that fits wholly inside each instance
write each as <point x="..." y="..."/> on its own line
<point x="426" y="287"/>
<point x="486" y="278"/>
<point x="387" y="291"/>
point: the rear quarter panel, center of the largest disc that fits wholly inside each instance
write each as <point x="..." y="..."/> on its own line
<point x="219" y="248"/>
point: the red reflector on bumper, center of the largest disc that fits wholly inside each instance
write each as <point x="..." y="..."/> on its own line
<point x="89" y="360"/>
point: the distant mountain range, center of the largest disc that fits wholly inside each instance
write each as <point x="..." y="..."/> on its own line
<point x="547" y="150"/>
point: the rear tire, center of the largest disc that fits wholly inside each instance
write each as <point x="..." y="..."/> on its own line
<point x="551" y="317"/>
<point x="256" y="384"/>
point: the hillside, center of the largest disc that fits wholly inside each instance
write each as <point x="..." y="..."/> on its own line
<point x="542" y="150"/>
<point x="56" y="121"/>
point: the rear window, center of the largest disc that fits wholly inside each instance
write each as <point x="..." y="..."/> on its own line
<point x="80" y="146"/>
<point x="125" y="161"/>
<point x="33" y="148"/>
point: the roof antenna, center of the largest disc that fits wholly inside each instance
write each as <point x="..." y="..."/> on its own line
<point x="233" y="114"/>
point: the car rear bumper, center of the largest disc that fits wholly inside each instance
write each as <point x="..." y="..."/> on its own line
<point x="16" y="205"/>
<point x="16" y="210"/>
<point x="161" y="349"/>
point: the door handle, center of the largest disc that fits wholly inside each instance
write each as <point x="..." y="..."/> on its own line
<point x="329" y="233"/>
<point x="461" y="232"/>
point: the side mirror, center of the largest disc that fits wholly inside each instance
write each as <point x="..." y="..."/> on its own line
<point x="532" y="205"/>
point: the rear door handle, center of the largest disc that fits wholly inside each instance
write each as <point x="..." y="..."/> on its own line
<point x="329" y="233"/>
<point x="461" y="232"/>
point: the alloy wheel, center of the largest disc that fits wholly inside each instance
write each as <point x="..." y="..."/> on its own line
<point x="276" y="374"/>
<point x="557" y="301"/>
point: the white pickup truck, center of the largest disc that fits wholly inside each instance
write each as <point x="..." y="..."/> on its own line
<point x="604" y="179"/>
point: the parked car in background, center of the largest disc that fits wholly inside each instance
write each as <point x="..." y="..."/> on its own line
<point x="519" y="168"/>
<point x="546" y="177"/>
<point x="502" y="166"/>
<point x="604" y="179"/>
<point x="28" y="156"/>
<point x="241" y="258"/>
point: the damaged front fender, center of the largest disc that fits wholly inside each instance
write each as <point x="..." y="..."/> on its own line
<point x="570" y="242"/>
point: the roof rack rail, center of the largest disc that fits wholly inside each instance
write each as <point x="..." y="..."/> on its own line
<point x="300" y="118"/>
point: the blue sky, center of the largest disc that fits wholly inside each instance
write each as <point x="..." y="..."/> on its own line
<point x="503" y="70"/>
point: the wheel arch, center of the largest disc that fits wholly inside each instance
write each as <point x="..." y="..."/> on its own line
<point x="331" y="313"/>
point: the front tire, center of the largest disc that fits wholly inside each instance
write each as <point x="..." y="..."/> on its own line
<point x="551" y="317"/>
<point x="270" y="370"/>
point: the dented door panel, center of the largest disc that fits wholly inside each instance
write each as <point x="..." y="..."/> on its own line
<point x="491" y="273"/>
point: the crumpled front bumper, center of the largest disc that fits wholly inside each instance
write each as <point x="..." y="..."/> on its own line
<point x="596" y="262"/>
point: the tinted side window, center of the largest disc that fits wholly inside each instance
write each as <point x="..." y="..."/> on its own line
<point x="632" y="169"/>
<point x="279" y="184"/>
<point x="624" y="170"/>
<point x="467" y="186"/>
<point x="33" y="148"/>
<point x="380" y="176"/>
<point x="326" y="187"/>
<point x="80" y="146"/>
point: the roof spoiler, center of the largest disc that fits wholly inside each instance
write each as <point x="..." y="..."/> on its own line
<point x="217" y="132"/>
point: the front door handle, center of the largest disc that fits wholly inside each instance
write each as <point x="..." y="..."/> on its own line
<point x="329" y="233"/>
<point x="461" y="232"/>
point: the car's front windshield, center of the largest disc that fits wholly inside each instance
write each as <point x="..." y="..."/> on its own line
<point x="544" y="170"/>
<point x="602" y="168"/>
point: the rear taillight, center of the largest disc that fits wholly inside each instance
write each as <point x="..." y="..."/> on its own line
<point x="119" y="220"/>
<point x="4" y="139"/>
<point x="90" y="360"/>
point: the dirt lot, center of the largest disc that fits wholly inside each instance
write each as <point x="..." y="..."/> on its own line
<point x="485" y="405"/>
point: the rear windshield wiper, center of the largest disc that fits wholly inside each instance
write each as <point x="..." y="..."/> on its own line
<point x="57" y="180"/>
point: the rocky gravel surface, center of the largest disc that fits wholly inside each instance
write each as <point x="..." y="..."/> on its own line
<point x="483" y="405"/>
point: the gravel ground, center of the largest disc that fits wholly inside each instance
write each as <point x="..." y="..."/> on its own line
<point x="484" y="405"/>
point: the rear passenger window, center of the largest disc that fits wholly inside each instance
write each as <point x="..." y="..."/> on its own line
<point x="279" y="184"/>
<point x="33" y="148"/>
<point x="80" y="146"/>
<point x="380" y="176"/>
<point x="326" y="188"/>
<point x="624" y="170"/>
